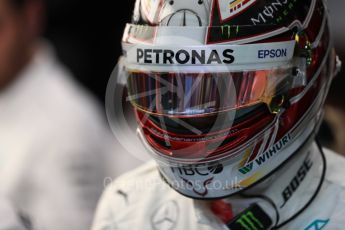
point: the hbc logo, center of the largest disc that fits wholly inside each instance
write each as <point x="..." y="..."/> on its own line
<point x="199" y="169"/>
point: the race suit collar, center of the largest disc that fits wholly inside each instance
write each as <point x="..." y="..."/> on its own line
<point x="284" y="195"/>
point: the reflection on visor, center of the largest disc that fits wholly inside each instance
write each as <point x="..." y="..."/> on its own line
<point x="186" y="94"/>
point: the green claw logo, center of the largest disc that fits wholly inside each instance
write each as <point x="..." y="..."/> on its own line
<point x="249" y="222"/>
<point x="226" y="31"/>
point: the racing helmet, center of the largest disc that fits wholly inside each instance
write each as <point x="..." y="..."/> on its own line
<point x="226" y="91"/>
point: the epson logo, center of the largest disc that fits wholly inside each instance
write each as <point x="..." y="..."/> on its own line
<point x="273" y="53"/>
<point x="184" y="57"/>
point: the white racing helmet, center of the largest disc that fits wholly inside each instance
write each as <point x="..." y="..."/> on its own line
<point x="224" y="91"/>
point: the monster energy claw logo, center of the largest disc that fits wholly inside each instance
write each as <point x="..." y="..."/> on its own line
<point x="228" y="30"/>
<point x="253" y="218"/>
<point x="249" y="222"/>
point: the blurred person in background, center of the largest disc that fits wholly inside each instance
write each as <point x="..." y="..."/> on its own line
<point x="53" y="143"/>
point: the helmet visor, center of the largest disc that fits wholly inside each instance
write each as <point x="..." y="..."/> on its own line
<point x="192" y="94"/>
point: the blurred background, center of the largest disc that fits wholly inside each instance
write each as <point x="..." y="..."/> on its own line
<point x="87" y="38"/>
<point x="333" y="130"/>
<point x="56" y="149"/>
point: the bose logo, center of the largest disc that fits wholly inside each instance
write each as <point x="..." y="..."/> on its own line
<point x="290" y="190"/>
<point x="184" y="57"/>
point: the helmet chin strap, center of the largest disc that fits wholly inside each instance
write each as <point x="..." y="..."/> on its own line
<point x="286" y="194"/>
